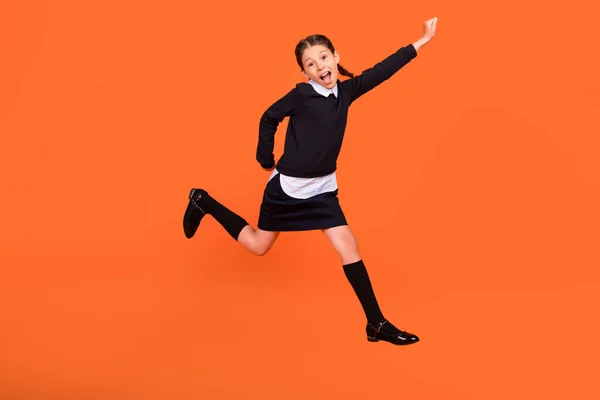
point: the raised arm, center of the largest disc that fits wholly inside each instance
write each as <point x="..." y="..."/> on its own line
<point x="384" y="70"/>
<point x="268" y="124"/>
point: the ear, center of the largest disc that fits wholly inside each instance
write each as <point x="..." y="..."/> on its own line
<point x="337" y="57"/>
<point x="305" y="74"/>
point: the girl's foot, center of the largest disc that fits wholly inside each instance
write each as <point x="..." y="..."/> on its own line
<point x="193" y="213"/>
<point x="387" y="332"/>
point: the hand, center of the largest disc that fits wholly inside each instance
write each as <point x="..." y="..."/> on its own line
<point x="268" y="166"/>
<point x="429" y="28"/>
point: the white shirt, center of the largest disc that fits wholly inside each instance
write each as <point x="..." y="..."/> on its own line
<point x="303" y="188"/>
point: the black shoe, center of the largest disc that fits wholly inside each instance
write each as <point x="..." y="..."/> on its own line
<point x="193" y="213"/>
<point x="374" y="334"/>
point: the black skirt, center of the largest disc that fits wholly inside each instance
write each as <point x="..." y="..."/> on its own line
<point x="280" y="212"/>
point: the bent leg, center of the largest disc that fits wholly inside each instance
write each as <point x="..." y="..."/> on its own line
<point x="257" y="241"/>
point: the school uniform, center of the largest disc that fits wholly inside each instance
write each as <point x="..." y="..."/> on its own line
<point x="302" y="192"/>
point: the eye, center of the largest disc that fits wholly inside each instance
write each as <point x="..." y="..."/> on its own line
<point x="324" y="57"/>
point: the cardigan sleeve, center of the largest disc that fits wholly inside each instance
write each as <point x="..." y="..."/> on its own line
<point x="268" y="124"/>
<point x="380" y="72"/>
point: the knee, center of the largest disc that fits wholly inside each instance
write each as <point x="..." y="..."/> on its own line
<point x="260" y="251"/>
<point x="350" y="240"/>
<point x="261" y="248"/>
<point x="348" y="244"/>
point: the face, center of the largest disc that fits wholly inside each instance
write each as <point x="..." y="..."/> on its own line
<point x="320" y="65"/>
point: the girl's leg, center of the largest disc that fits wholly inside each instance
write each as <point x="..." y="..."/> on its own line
<point x="346" y="245"/>
<point x="257" y="241"/>
<point x="378" y="328"/>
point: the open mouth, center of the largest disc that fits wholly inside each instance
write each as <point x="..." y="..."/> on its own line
<point x="326" y="77"/>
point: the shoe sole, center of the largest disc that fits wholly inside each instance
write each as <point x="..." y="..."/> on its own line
<point x="373" y="339"/>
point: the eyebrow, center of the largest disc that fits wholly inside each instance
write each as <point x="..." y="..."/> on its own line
<point x="322" y="51"/>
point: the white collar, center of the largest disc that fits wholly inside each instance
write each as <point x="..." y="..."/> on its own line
<point x="323" y="90"/>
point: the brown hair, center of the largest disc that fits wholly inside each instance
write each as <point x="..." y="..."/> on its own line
<point x="315" y="40"/>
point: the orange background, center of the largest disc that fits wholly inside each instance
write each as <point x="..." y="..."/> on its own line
<point x="471" y="180"/>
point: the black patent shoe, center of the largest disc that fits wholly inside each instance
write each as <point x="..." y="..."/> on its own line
<point x="193" y="213"/>
<point x="402" y="338"/>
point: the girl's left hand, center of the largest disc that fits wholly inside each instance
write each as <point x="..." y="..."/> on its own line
<point x="429" y="27"/>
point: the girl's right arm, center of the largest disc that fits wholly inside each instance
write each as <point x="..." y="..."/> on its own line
<point x="268" y="124"/>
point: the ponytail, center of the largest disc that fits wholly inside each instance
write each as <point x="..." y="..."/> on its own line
<point x="345" y="72"/>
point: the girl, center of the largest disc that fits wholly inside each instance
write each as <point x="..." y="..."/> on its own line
<point x="301" y="193"/>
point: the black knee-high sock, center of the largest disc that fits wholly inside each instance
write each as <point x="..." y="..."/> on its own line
<point x="359" y="279"/>
<point x="232" y="222"/>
